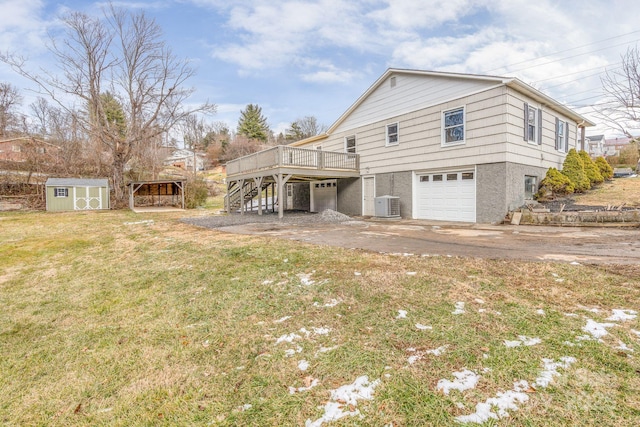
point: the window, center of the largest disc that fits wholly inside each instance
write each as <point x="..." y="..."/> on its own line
<point x="392" y="134"/>
<point x="453" y="126"/>
<point x="350" y="144"/>
<point x="562" y="136"/>
<point x="437" y="177"/>
<point x="424" y="178"/>
<point x="530" y="186"/>
<point x="532" y="124"/>
<point x="392" y="81"/>
<point x="467" y="175"/>
<point x="452" y="177"/>
<point x="61" y="192"/>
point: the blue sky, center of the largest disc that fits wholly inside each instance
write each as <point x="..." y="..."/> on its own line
<point x="316" y="57"/>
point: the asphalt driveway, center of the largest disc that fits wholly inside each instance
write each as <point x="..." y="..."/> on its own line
<point x="600" y="245"/>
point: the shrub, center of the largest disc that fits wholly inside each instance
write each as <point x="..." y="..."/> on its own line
<point x="604" y="167"/>
<point x="195" y="194"/>
<point x="554" y="184"/>
<point x="573" y="168"/>
<point x="590" y="168"/>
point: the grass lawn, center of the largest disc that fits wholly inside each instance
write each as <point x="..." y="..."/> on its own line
<point x="118" y="319"/>
<point x="614" y="192"/>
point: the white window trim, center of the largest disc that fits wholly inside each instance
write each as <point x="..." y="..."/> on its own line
<point x="386" y="132"/>
<point x="537" y="136"/>
<point x="58" y="190"/>
<point x="443" y="142"/>
<point x="355" y="147"/>
<point x="562" y="145"/>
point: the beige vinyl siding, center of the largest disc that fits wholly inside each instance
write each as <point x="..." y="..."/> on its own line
<point x="411" y="93"/>
<point x="520" y="151"/>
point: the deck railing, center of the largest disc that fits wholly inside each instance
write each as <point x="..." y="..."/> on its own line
<point x="285" y="156"/>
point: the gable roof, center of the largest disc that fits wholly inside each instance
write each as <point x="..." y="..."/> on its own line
<point x="511" y="82"/>
<point x="79" y="182"/>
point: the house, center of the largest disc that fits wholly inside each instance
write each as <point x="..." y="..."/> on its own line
<point x="21" y="149"/>
<point x="185" y="159"/>
<point x="448" y="146"/>
<point x="613" y="146"/>
<point x="69" y="194"/>
<point x="595" y="145"/>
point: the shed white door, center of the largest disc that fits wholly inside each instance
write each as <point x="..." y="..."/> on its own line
<point x="87" y="198"/>
<point x="368" y="196"/>
<point x="446" y="196"/>
<point x="324" y="195"/>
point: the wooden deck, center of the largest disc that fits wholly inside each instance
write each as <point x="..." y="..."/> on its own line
<point x="248" y="176"/>
<point x="296" y="161"/>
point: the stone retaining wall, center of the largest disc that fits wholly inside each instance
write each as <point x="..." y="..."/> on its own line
<point x="629" y="218"/>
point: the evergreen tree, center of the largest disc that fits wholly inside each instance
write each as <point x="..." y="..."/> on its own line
<point x="253" y="124"/>
<point x="590" y="168"/>
<point x="573" y="168"/>
<point x="604" y="167"/>
<point x="554" y="184"/>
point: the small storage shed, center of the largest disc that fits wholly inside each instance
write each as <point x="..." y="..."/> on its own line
<point x="77" y="194"/>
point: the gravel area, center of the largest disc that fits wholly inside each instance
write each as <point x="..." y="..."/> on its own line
<point x="220" y="221"/>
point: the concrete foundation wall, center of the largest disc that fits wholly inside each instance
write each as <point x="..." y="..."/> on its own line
<point x="500" y="189"/>
<point x="397" y="184"/>
<point x="350" y="196"/>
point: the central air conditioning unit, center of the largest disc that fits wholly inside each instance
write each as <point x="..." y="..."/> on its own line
<point x="387" y="206"/>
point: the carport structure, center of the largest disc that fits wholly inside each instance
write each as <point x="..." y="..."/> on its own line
<point x="159" y="194"/>
<point x="249" y="176"/>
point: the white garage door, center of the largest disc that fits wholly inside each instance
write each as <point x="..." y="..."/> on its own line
<point x="446" y="196"/>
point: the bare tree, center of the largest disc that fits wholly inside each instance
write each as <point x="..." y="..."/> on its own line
<point x="122" y="53"/>
<point x="304" y="127"/>
<point x="622" y="88"/>
<point x="10" y="98"/>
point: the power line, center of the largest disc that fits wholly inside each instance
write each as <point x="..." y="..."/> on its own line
<point x="563" y="51"/>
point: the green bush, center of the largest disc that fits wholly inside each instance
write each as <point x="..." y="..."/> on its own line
<point x="195" y="194"/>
<point x="604" y="167"/>
<point x="573" y="168"/>
<point x="554" y="184"/>
<point x="590" y="168"/>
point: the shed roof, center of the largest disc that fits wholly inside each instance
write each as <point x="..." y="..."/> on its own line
<point x="80" y="182"/>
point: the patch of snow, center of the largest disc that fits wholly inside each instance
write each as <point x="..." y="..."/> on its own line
<point x="282" y="319"/>
<point x="497" y="407"/>
<point x="413" y="359"/>
<point x="326" y="349"/>
<point x="245" y="407"/>
<point x="620" y="315"/>
<point x="267" y="282"/>
<point x="540" y="312"/>
<point x="321" y="331"/>
<point x="570" y="314"/>
<point x="288" y="338"/>
<point x="622" y="346"/>
<point x="464" y="380"/>
<point x="459" y="308"/>
<point x="522" y="339"/>
<point x="402" y="314"/>
<point x="636" y="332"/>
<point x="344" y="397"/>
<point x="479" y="300"/>
<point x="482" y="310"/>
<point x="597" y="330"/>
<point x="305" y="279"/>
<point x="145" y="222"/>
<point x="574" y="263"/>
<point x="551" y="369"/>
<point x="303" y="365"/>
<point x="357" y="273"/>
<point x="411" y="273"/>
<point x="437" y="351"/>
<point x="585" y="338"/>
<point x="423" y="327"/>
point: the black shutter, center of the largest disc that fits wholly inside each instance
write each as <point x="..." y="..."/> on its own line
<point x="566" y="137"/>
<point x="557" y="132"/>
<point x="526" y="121"/>
<point x="540" y="126"/>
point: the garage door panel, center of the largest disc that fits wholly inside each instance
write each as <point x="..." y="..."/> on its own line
<point x="451" y="196"/>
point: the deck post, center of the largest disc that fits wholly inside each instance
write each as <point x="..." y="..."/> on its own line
<point x="241" y="183"/>
<point x="258" y="182"/>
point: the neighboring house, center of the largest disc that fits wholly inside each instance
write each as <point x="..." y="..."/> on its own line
<point x="69" y="194"/>
<point x="453" y="147"/>
<point x="21" y="149"/>
<point x="185" y="159"/>
<point x="595" y="145"/>
<point x="613" y="146"/>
